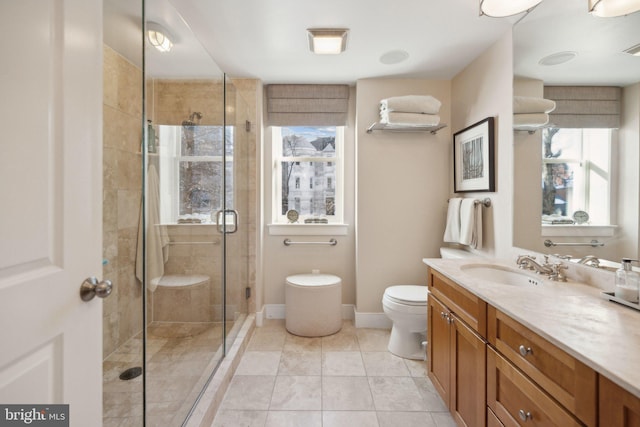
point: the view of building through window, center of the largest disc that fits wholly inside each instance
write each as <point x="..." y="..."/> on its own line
<point x="575" y="174"/>
<point x="308" y="171"/>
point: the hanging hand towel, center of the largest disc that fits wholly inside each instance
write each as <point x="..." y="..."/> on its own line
<point x="529" y="105"/>
<point x="409" y="119"/>
<point x="471" y="223"/>
<point x="452" y="229"/>
<point x="157" y="235"/>
<point x="422" y="104"/>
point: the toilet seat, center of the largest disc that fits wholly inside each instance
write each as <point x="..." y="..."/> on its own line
<point x="413" y="295"/>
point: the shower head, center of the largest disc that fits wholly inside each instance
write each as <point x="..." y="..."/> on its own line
<point x="193" y="120"/>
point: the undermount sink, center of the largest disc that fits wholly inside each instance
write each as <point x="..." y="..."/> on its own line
<point x="500" y="274"/>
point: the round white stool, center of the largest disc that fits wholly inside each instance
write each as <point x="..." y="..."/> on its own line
<point x="313" y="304"/>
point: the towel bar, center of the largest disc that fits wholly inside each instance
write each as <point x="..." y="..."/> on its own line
<point x="331" y="242"/>
<point x="548" y="243"/>
<point x="486" y="202"/>
<point x="213" y="242"/>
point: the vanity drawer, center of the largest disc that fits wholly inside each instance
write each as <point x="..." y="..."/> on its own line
<point x="566" y="379"/>
<point x="468" y="307"/>
<point x="516" y="400"/>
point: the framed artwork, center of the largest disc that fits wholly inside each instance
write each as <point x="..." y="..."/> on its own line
<point x="473" y="158"/>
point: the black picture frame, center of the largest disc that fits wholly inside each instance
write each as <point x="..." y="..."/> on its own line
<point x="473" y="158"/>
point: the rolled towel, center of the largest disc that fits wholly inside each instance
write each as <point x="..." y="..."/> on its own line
<point x="409" y="119"/>
<point x="529" y="104"/>
<point x="530" y="120"/>
<point x="421" y="104"/>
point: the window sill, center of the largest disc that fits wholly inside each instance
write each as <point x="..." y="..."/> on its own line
<point x="578" y="230"/>
<point x="308" y="229"/>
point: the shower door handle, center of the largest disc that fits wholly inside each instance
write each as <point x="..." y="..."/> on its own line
<point x="221" y="219"/>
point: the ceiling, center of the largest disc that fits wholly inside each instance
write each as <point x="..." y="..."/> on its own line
<point x="267" y="39"/>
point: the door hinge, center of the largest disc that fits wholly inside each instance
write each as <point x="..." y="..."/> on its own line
<point x="247" y="292"/>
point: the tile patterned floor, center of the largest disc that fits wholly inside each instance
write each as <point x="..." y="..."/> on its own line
<point x="346" y="379"/>
<point x="179" y="360"/>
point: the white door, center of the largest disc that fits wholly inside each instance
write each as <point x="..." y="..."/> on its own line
<point x="51" y="204"/>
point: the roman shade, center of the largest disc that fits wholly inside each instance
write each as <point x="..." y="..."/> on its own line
<point x="307" y="105"/>
<point x="584" y="106"/>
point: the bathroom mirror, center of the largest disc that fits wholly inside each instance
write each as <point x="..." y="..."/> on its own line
<point x="558" y="29"/>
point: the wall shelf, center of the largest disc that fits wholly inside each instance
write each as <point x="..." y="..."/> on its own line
<point x="408" y="128"/>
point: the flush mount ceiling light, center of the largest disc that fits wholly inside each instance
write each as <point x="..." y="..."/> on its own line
<point x="327" y="41"/>
<point x="558" y="58"/>
<point x="611" y="8"/>
<point x="634" y="50"/>
<point x="504" y="8"/>
<point x="159" y="37"/>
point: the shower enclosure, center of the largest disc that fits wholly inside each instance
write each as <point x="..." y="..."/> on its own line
<point x="179" y="204"/>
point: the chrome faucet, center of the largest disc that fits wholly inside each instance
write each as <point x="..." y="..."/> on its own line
<point x="553" y="271"/>
<point x="528" y="262"/>
<point x="591" y="260"/>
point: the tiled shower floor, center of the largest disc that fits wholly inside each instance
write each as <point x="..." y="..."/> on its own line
<point x="346" y="379"/>
<point x="180" y="358"/>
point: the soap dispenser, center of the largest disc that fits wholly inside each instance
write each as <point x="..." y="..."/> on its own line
<point x="627" y="282"/>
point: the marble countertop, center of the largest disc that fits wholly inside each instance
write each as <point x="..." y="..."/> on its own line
<point x="572" y="315"/>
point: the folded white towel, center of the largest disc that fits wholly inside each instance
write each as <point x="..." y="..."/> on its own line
<point x="452" y="229"/>
<point x="529" y="104"/>
<point x="530" y="120"/>
<point x="409" y="119"/>
<point x="471" y="223"/>
<point x="422" y="104"/>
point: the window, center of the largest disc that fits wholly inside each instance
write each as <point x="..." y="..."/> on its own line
<point x="313" y="154"/>
<point x="576" y="174"/>
<point x="191" y="172"/>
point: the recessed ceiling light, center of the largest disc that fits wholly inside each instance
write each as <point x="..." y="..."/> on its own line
<point x="394" y="56"/>
<point x="327" y="41"/>
<point x="558" y="58"/>
<point x="634" y="50"/>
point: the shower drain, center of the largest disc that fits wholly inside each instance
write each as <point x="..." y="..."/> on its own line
<point x="131" y="373"/>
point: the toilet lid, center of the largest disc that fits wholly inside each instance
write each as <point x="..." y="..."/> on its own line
<point x="408" y="294"/>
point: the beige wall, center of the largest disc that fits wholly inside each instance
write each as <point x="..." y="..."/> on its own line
<point x="484" y="89"/>
<point x="280" y="261"/>
<point x="402" y="191"/>
<point x="122" y="135"/>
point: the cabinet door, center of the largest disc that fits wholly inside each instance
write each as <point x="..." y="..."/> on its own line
<point x="618" y="407"/>
<point x="468" y="389"/>
<point x="438" y="346"/>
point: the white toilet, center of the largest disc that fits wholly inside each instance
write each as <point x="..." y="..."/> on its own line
<point x="406" y="306"/>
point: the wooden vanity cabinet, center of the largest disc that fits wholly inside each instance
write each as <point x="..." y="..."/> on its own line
<point x="618" y="407"/>
<point x="456" y="351"/>
<point x="526" y="360"/>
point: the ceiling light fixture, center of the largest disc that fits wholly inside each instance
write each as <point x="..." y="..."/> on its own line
<point x="611" y="8"/>
<point x="633" y="50"/>
<point x="504" y="8"/>
<point x="327" y="41"/>
<point x="558" y="58"/>
<point x="159" y="37"/>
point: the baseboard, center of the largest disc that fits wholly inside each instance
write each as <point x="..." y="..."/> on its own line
<point x="372" y="320"/>
<point x="277" y="311"/>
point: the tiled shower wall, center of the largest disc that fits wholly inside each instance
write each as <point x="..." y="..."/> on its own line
<point x="122" y="119"/>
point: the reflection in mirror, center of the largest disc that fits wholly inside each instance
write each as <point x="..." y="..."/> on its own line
<point x="576" y="178"/>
